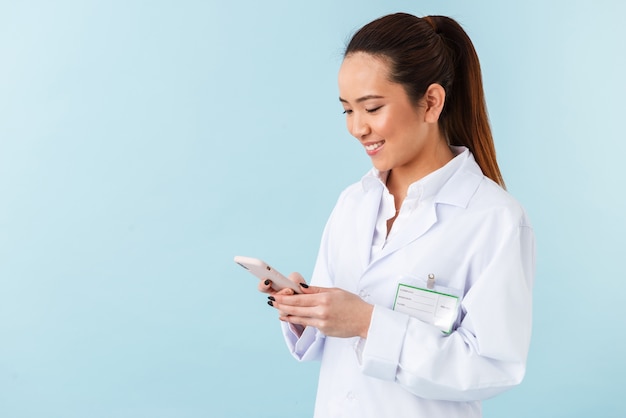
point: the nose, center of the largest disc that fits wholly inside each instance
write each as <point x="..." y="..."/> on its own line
<point x="358" y="126"/>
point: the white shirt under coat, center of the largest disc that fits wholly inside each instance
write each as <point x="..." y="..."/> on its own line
<point x="475" y="238"/>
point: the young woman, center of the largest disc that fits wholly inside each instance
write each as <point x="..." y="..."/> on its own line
<point x="420" y="300"/>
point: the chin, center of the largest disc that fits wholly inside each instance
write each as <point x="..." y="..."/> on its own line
<point x="382" y="167"/>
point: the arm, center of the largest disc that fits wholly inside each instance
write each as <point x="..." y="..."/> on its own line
<point x="306" y="343"/>
<point x="485" y="355"/>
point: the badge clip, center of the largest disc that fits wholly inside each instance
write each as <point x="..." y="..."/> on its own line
<point x="430" y="283"/>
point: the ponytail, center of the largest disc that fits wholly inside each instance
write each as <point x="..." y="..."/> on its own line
<point x="436" y="49"/>
<point x="465" y="120"/>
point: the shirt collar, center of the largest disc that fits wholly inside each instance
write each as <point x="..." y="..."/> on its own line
<point x="425" y="187"/>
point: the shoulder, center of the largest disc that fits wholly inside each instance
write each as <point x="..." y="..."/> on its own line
<point x="492" y="198"/>
<point x="479" y="196"/>
<point x="353" y="191"/>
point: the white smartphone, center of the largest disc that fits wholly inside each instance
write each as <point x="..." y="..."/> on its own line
<point x="262" y="270"/>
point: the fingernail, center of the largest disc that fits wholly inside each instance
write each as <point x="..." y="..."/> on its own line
<point x="271" y="298"/>
<point x="306" y="286"/>
<point x="267" y="282"/>
<point x="269" y="302"/>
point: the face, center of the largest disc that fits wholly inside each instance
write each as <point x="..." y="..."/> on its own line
<point x="397" y="134"/>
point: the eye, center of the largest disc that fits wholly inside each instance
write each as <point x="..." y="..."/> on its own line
<point x="347" y="111"/>
<point x="373" y="109"/>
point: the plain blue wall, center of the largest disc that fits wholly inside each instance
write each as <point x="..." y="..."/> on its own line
<point x="143" y="144"/>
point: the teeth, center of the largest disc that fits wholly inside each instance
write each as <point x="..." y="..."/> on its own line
<point x="372" y="147"/>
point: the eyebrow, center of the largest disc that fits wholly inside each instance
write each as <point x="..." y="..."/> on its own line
<point x="364" y="98"/>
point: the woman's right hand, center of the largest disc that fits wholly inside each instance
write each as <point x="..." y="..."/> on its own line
<point x="265" y="286"/>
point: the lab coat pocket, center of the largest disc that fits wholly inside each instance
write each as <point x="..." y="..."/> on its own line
<point x="429" y="302"/>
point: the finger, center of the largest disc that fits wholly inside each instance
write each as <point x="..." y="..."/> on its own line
<point x="308" y="290"/>
<point x="294" y="320"/>
<point x="297" y="299"/>
<point x="271" y="301"/>
<point x="299" y="322"/>
<point x="295" y="311"/>
<point x="265" y="286"/>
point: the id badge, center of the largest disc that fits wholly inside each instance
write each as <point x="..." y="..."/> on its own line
<point x="428" y="305"/>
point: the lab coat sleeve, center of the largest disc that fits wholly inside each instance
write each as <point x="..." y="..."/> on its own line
<point x="485" y="355"/>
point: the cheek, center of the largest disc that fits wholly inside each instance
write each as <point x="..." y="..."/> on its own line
<point x="403" y="127"/>
<point x="384" y="127"/>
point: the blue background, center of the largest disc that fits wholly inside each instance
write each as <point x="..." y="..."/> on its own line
<point x="143" y="144"/>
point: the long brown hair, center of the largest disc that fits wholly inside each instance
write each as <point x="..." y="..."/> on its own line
<point x="436" y="49"/>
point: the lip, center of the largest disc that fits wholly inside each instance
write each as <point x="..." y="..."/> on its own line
<point x="370" y="148"/>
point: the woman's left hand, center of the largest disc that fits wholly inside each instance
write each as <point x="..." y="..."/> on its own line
<point x="335" y="312"/>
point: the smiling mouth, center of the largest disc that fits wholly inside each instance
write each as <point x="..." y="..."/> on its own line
<point x="374" y="147"/>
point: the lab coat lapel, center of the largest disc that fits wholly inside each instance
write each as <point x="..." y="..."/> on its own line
<point x="417" y="226"/>
<point x="366" y="215"/>
<point x="456" y="192"/>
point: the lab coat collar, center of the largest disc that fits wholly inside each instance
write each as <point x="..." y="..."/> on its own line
<point x="454" y="184"/>
<point x="462" y="185"/>
<point x="433" y="183"/>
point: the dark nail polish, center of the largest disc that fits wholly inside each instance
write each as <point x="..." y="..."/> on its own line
<point x="271" y="298"/>
<point x="269" y="302"/>
<point x="306" y="286"/>
<point x="267" y="282"/>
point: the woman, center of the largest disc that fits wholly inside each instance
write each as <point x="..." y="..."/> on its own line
<point x="420" y="300"/>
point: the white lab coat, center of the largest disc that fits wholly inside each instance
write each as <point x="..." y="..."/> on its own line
<point x="477" y="241"/>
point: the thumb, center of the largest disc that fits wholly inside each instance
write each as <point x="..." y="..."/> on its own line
<point x="299" y="280"/>
<point x="296" y="278"/>
<point x="307" y="290"/>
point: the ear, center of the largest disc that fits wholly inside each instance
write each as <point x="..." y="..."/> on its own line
<point x="435" y="98"/>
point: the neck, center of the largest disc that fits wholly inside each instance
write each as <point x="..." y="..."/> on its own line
<point x="400" y="178"/>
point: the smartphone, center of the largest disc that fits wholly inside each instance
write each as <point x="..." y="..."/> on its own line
<point x="262" y="270"/>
